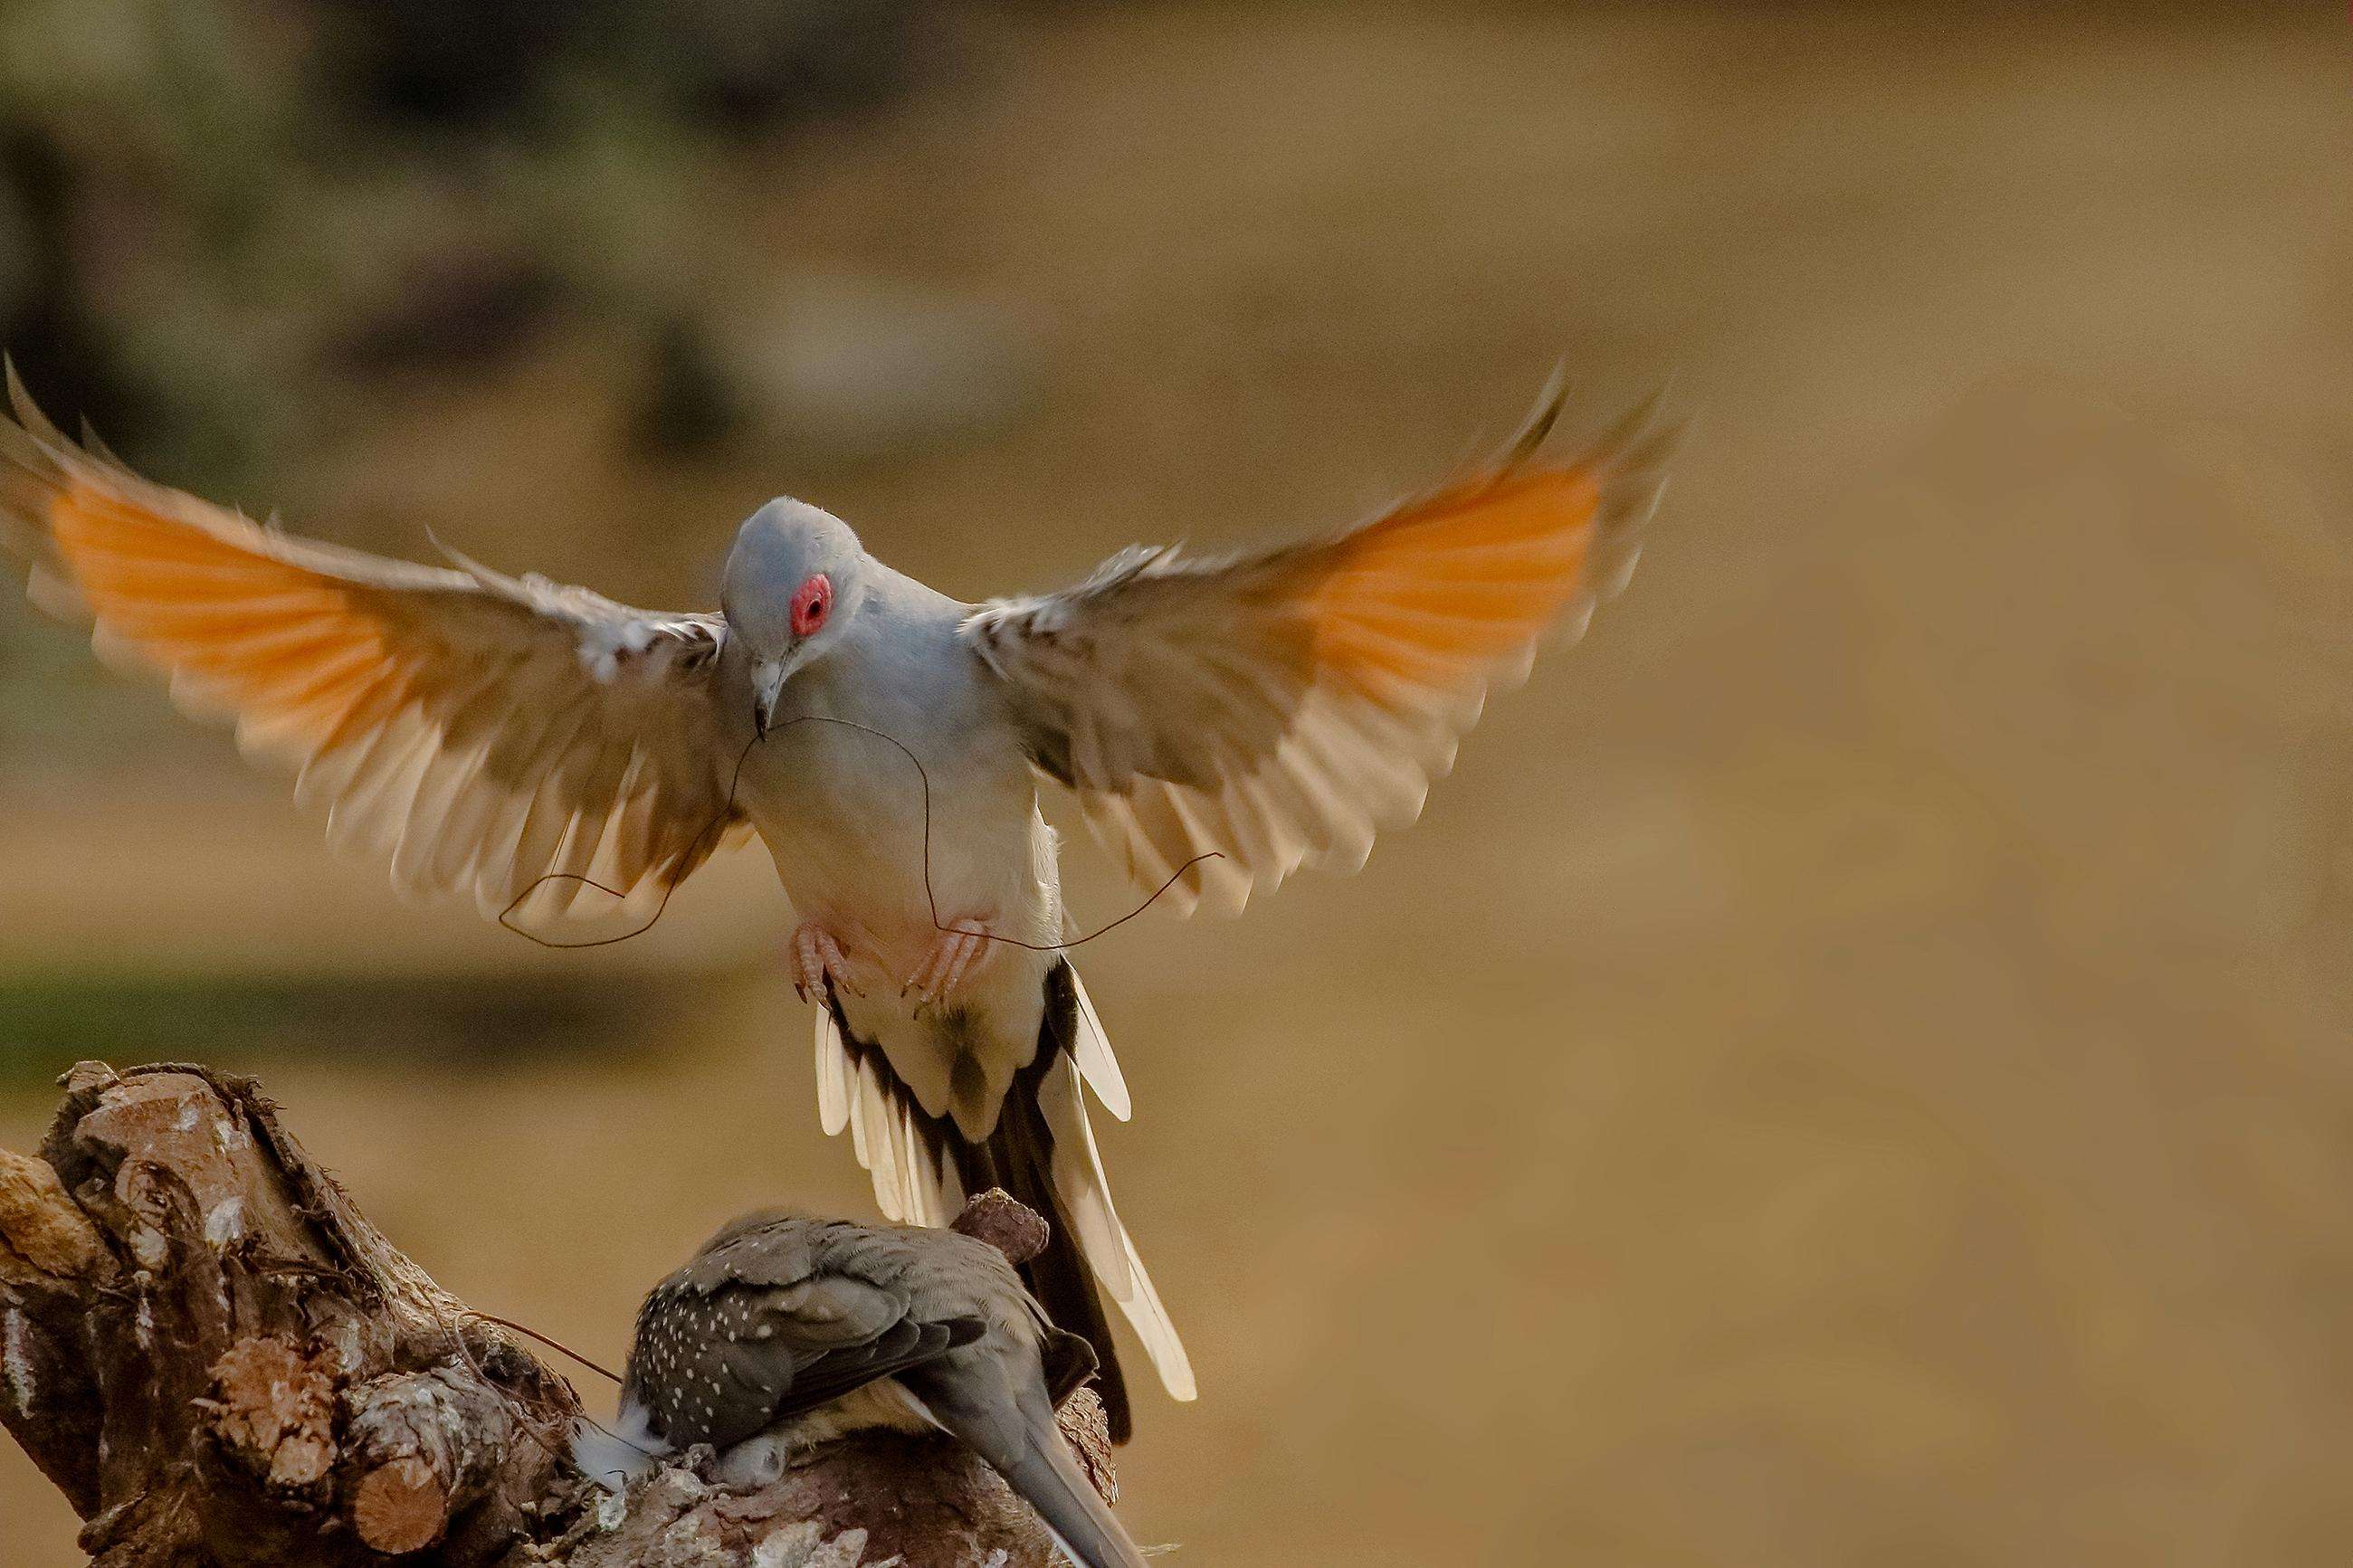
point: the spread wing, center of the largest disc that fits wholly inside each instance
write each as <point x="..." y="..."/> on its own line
<point x="1279" y="708"/>
<point x="479" y="730"/>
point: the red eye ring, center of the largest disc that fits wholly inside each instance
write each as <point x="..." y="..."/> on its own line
<point x="811" y="601"/>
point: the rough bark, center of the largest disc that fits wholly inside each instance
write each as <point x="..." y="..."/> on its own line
<point x="223" y="1364"/>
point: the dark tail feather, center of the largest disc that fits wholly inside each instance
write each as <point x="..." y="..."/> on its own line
<point x="1018" y="1157"/>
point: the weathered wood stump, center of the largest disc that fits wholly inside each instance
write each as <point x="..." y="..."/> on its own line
<point x="223" y="1364"/>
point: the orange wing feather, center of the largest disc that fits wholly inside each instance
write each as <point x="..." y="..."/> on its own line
<point x="1440" y="588"/>
<point x="448" y="716"/>
<point x="1277" y="709"/>
<point x="264" y="638"/>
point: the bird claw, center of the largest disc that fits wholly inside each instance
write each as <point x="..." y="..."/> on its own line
<point x="958" y="948"/>
<point x="817" y="959"/>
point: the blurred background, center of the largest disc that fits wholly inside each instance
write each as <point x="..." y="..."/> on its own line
<point x="1853" y="1070"/>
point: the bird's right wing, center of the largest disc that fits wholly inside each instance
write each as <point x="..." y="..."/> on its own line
<point x="510" y="738"/>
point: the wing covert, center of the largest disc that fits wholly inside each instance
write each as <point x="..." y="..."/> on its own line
<point x="780" y="1319"/>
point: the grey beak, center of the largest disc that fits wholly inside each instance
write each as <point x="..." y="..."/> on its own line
<point x="767" y="689"/>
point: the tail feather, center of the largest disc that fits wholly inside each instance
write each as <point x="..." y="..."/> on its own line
<point x="877" y="1126"/>
<point x="1018" y="1157"/>
<point x="1078" y="1176"/>
<point x="614" y="1456"/>
<point x="936" y="1193"/>
<point x="916" y="1179"/>
<point x="1049" y="1481"/>
<point x="1043" y="1151"/>
<point x="834" y="1072"/>
<point x="1153" y="1326"/>
<point x="1076" y="1168"/>
<point x="1016" y="1433"/>
<point x="1091" y="1048"/>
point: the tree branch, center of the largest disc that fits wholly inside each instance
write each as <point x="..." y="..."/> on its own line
<point x="223" y="1364"/>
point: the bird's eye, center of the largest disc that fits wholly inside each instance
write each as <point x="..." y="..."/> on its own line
<point x="810" y="603"/>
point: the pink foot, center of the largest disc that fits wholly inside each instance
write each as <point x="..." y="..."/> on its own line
<point x="957" y="949"/>
<point x="817" y="958"/>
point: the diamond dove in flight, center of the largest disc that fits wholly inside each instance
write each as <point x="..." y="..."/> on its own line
<point x="518" y="740"/>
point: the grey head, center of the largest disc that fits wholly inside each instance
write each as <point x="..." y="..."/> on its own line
<point x="795" y="580"/>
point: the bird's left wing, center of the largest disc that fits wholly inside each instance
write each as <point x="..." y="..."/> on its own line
<point x="1277" y="708"/>
<point x="481" y="731"/>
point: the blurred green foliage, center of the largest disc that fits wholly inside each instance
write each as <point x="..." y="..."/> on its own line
<point x="220" y="219"/>
<point x="49" y="1022"/>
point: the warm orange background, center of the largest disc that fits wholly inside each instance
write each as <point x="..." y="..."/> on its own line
<point x="1853" y="1070"/>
